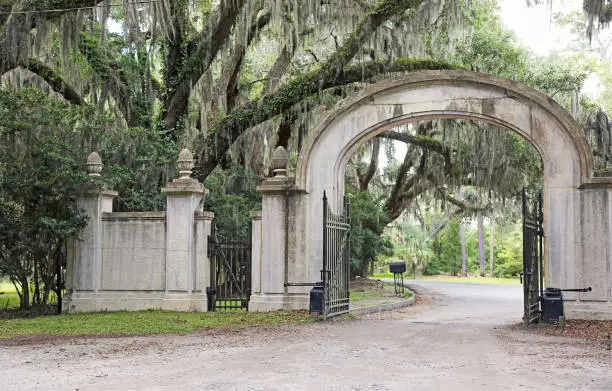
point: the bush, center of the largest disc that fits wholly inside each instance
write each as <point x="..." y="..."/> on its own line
<point x="509" y="269"/>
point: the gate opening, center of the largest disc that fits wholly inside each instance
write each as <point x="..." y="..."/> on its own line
<point x="230" y="272"/>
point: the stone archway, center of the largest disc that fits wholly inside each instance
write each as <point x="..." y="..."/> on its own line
<point x="577" y="205"/>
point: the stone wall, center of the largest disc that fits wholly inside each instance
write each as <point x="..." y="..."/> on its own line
<point x="133" y="251"/>
<point x="145" y="260"/>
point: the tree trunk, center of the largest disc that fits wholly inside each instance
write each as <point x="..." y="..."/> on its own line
<point x="492" y="248"/>
<point x="36" y="297"/>
<point x="25" y="294"/>
<point x="365" y="178"/>
<point x="463" y="251"/>
<point x="481" y="250"/>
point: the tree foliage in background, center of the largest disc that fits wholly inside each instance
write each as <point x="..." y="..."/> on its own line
<point x="368" y="220"/>
<point x="44" y="143"/>
<point x="41" y="176"/>
<point x="232" y="198"/>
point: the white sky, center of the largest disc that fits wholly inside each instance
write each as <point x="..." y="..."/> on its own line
<point x="532" y="24"/>
<point x="533" y="29"/>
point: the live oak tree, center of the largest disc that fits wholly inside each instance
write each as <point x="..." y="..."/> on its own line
<point x="187" y="66"/>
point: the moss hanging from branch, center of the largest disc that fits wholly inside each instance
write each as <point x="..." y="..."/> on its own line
<point x="227" y="131"/>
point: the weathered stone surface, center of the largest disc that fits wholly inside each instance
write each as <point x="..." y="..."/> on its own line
<point x="133" y="251"/>
<point x="576" y="204"/>
<point x="145" y="260"/>
<point x="256" y="243"/>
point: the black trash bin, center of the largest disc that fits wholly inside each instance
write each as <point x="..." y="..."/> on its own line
<point x="317" y="298"/>
<point x="211" y="296"/>
<point x="552" y="305"/>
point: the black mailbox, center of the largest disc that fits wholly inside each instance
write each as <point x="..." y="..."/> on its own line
<point x="397" y="267"/>
<point x="317" y="298"/>
<point x="552" y="305"/>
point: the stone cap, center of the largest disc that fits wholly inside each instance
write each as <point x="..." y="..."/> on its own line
<point x="94" y="165"/>
<point x="204" y="215"/>
<point x="92" y="190"/>
<point x="275" y="185"/>
<point x="184" y="186"/>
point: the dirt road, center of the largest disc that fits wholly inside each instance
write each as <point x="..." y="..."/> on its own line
<point x="458" y="339"/>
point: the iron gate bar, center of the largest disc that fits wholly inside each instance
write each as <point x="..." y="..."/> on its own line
<point x="336" y="250"/>
<point x="541" y="241"/>
<point x="532" y="275"/>
<point x="230" y="262"/>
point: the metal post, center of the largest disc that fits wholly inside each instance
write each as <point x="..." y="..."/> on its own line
<point x="525" y="258"/>
<point x="540" y="242"/>
<point x="324" y="271"/>
<point x="347" y="260"/>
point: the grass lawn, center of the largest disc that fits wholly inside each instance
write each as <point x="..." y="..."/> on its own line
<point x="143" y="322"/>
<point x="444" y="278"/>
<point x="8" y="296"/>
<point x="356" y="296"/>
<point x="368" y="289"/>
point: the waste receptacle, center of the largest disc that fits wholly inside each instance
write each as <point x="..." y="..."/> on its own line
<point x="211" y="297"/>
<point x="552" y="305"/>
<point x="317" y="298"/>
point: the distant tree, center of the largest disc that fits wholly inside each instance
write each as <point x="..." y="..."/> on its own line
<point x="41" y="177"/>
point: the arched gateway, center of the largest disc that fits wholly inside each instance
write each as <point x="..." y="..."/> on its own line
<point x="577" y="204"/>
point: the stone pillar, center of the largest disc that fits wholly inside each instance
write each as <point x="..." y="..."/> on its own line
<point x="184" y="200"/>
<point x="84" y="264"/>
<point x="256" y="241"/>
<point x="203" y="227"/>
<point x="273" y="293"/>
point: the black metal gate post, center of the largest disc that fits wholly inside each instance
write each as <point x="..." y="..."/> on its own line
<point x="336" y="254"/>
<point x="230" y="272"/>
<point x="532" y="275"/>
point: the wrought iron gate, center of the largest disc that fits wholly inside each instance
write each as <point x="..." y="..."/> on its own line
<point x="230" y="272"/>
<point x="336" y="253"/>
<point x="532" y="276"/>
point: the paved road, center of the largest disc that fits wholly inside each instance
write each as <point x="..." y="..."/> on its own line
<point x="459" y="340"/>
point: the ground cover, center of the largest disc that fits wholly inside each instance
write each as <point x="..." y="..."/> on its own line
<point x="599" y="331"/>
<point x="446" y="278"/>
<point x="123" y="323"/>
<point x="365" y="292"/>
<point x="142" y="322"/>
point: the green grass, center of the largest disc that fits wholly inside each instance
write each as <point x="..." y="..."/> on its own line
<point x="360" y="295"/>
<point x="9" y="297"/>
<point x="443" y="278"/>
<point x="143" y="322"/>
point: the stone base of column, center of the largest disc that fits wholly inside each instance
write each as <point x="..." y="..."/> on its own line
<point x="279" y="301"/>
<point x="593" y="310"/>
<point x="133" y="301"/>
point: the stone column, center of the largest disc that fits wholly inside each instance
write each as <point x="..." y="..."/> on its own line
<point x="184" y="199"/>
<point x="275" y="191"/>
<point x="256" y="242"/>
<point x="84" y="264"/>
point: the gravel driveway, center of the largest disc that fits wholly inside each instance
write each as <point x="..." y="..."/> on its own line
<point x="458" y="337"/>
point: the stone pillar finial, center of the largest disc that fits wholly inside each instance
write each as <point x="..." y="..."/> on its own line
<point x="94" y="164"/>
<point x="185" y="164"/>
<point x="280" y="160"/>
